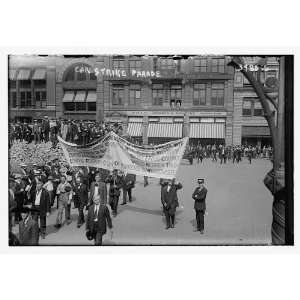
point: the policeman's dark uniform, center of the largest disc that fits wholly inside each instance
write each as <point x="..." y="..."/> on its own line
<point x="199" y="196"/>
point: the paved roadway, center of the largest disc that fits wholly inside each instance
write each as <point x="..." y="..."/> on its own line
<point x="239" y="210"/>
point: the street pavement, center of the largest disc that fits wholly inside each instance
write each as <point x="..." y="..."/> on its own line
<point x="239" y="210"/>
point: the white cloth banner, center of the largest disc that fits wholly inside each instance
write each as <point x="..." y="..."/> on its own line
<point x="114" y="152"/>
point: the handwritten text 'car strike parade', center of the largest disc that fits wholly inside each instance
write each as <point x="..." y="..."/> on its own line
<point x="118" y="72"/>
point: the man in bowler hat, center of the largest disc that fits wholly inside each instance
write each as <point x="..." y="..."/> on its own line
<point x="199" y="196"/>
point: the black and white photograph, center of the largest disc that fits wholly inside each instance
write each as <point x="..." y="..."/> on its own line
<point x="150" y="149"/>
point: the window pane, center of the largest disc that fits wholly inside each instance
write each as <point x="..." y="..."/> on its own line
<point x="138" y="94"/>
<point x="37" y="96"/>
<point x="81" y="76"/>
<point x="71" y="75"/>
<point x="69" y="106"/>
<point x="44" y="96"/>
<point x="91" y="106"/>
<point x="246" y="112"/>
<point x="80" y="106"/>
<point x="93" y="76"/>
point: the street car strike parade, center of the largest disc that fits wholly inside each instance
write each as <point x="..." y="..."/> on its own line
<point x="118" y="72"/>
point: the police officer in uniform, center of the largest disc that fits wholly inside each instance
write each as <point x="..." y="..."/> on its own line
<point x="199" y="196"/>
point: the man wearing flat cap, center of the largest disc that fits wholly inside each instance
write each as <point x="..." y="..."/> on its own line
<point x="199" y="196"/>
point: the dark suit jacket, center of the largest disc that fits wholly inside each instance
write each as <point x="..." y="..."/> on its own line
<point x="170" y="199"/>
<point x="101" y="190"/>
<point x="118" y="181"/>
<point x="129" y="181"/>
<point x="104" y="219"/>
<point x="29" y="233"/>
<point x="199" y="197"/>
<point x="44" y="202"/>
<point x="81" y="195"/>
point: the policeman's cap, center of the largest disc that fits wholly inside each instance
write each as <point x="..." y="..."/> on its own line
<point x="200" y="180"/>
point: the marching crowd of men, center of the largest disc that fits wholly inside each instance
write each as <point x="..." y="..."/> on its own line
<point x="33" y="194"/>
<point x="74" y="131"/>
<point x="227" y="153"/>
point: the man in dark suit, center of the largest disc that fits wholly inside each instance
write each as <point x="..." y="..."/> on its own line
<point x="98" y="219"/>
<point x="169" y="201"/>
<point x="199" y="196"/>
<point x="28" y="228"/>
<point x="41" y="204"/>
<point x="128" y="185"/>
<point x="98" y="187"/>
<point x="80" y="194"/>
<point x="116" y="183"/>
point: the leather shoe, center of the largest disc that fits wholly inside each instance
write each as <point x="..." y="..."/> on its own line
<point x="167" y="227"/>
<point x="123" y="203"/>
<point x="172" y="225"/>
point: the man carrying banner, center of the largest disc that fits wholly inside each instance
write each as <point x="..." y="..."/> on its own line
<point x="116" y="183"/>
<point x="169" y="201"/>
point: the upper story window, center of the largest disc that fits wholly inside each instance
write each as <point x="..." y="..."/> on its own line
<point x="175" y="95"/>
<point x="134" y="94"/>
<point x="247" y="106"/>
<point x="199" y="94"/>
<point x="118" y="95"/>
<point x="218" y="65"/>
<point x="118" y="63"/>
<point x="80" y="72"/>
<point x="200" y="65"/>
<point x="135" y="65"/>
<point x="167" y="63"/>
<point x="252" y="107"/>
<point x="217" y="94"/>
<point x="157" y="94"/>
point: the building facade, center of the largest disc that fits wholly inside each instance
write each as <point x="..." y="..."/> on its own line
<point x="157" y="98"/>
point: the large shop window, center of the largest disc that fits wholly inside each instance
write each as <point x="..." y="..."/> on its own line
<point x="13" y="99"/>
<point x="218" y="65"/>
<point x="81" y="101"/>
<point x="134" y="95"/>
<point x="199" y="95"/>
<point x="200" y="65"/>
<point x="217" y="94"/>
<point x="40" y="99"/>
<point x="157" y="94"/>
<point x="25" y="99"/>
<point x="118" y="95"/>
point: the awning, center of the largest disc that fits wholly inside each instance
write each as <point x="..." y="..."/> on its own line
<point x="91" y="97"/>
<point x="68" y="97"/>
<point x="135" y="129"/>
<point x="255" y="131"/>
<point x="207" y="130"/>
<point x="39" y="74"/>
<point x="80" y="97"/>
<point x="23" y="75"/>
<point x="165" y="130"/>
<point x="12" y="74"/>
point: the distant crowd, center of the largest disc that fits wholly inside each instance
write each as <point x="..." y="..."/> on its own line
<point x="227" y="153"/>
<point x="74" y="131"/>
